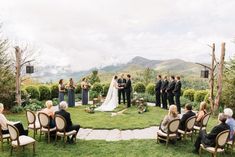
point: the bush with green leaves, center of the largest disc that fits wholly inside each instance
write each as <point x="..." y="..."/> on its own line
<point x="147" y="97"/>
<point x="55" y="101"/>
<point x="45" y="92"/>
<point x="33" y="92"/>
<point x="189" y="94"/>
<point x="97" y="87"/>
<point x="105" y="89"/>
<point x="139" y="87"/>
<point x="199" y="96"/>
<point x="93" y="94"/>
<point x="206" y="99"/>
<point x="34" y="105"/>
<point x="78" y="90"/>
<point x="184" y="101"/>
<point x="54" y="91"/>
<point x="150" y="89"/>
<point x="17" y="109"/>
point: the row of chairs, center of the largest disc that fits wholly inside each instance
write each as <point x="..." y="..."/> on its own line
<point x="42" y="125"/>
<point x="173" y="131"/>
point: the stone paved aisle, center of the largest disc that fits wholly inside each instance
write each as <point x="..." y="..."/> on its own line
<point x="117" y="135"/>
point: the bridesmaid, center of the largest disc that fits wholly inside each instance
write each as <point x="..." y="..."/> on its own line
<point x="71" y="96"/>
<point x="61" y="88"/>
<point x="85" y="88"/>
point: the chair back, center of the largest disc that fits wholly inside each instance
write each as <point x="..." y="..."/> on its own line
<point x="205" y="119"/>
<point x="31" y="117"/>
<point x="222" y="138"/>
<point x="14" y="133"/>
<point x="190" y="123"/>
<point x="60" y="123"/>
<point x="173" y="126"/>
<point x="44" y="119"/>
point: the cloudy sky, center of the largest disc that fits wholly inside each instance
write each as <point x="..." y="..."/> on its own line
<point x="94" y="33"/>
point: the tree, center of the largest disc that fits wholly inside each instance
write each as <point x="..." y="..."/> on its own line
<point x="228" y="96"/>
<point x="22" y="57"/>
<point x="94" y="77"/>
<point x="147" y="76"/>
<point x="6" y="74"/>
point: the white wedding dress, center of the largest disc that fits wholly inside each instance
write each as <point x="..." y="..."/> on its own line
<point x="111" y="100"/>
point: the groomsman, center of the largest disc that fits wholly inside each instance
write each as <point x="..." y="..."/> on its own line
<point x="121" y="92"/>
<point x="177" y="93"/>
<point x="170" y="88"/>
<point x="158" y="90"/>
<point x="128" y="89"/>
<point x="164" y="93"/>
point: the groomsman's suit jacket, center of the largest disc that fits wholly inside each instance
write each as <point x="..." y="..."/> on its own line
<point x="177" y="89"/>
<point x="158" y="86"/>
<point x="171" y="87"/>
<point x="164" y="86"/>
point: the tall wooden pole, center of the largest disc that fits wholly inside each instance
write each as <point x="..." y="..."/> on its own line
<point x="18" y="55"/>
<point x="212" y="79"/>
<point x="220" y="77"/>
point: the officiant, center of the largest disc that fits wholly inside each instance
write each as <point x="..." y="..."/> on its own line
<point x="121" y="92"/>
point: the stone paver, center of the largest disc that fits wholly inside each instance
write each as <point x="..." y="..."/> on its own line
<point x="113" y="135"/>
<point x="117" y="135"/>
<point x="97" y="135"/>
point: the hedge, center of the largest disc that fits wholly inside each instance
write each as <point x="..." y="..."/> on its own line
<point x="150" y="89"/>
<point x="45" y="93"/>
<point x="189" y="94"/>
<point x="97" y="87"/>
<point x="54" y="91"/>
<point x="105" y="89"/>
<point x="199" y="96"/>
<point x="139" y="87"/>
<point x="33" y="92"/>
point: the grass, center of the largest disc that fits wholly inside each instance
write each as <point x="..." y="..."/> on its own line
<point x="94" y="148"/>
<point x="103" y="120"/>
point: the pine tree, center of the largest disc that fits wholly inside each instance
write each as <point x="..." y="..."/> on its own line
<point x="7" y="81"/>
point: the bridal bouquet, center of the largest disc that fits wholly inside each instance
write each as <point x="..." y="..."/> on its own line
<point x="90" y="109"/>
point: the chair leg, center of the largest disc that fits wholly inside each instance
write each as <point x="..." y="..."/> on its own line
<point x="34" y="148"/>
<point x="34" y="133"/>
<point x="40" y="136"/>
<point x="11" y="150"/>
<point x="64" y="140"/>
<point x="48" y="136"/>
<point x="2" y="144"/>
<point x="55" y="138"/>
<point x="167" y="140"/>
<point x="200" y="151"/>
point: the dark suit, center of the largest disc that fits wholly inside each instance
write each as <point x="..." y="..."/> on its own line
<point x="158" y="92"/>
<point x="184" y="118"/>
<point x="164" y="93"/>
<point x="128" y="90"/>
<point x="177" y="93"/>
<point x="170" y="94"/>
<point x="208" y="140"/>
<point x="69" y="126"/>
<point x="121" y="83"/>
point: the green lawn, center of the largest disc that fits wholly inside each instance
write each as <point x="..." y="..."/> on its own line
<point x="132" y="148"/>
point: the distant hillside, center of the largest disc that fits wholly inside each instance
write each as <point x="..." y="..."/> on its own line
<point x="134" y="66"/>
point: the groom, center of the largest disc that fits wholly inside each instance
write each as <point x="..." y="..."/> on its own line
<point x="121" y="83"/>
<point x="128" y="89"/>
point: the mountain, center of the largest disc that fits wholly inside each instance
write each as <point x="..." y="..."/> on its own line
<point x="136" y="65"/>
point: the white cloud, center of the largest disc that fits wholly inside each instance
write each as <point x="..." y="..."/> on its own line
<point x="91" y="33"/>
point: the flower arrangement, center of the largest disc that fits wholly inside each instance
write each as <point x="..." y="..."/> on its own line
<point x="90" y="109"/>
<point x="141" y="105"/>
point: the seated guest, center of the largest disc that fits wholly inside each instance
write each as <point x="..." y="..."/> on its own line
<point x="188" y="113"/>
<point x="202" y="111"/>
<point x="66" y="115"/>
<point x="172" y="114"/>
<point x="209" y="140"/>
<point x="50" y="112"/>
<point x="4" y="122"/>
<point x="230" y="121"/>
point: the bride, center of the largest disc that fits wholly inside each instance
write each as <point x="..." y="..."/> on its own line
<point x="111" y="100"/>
